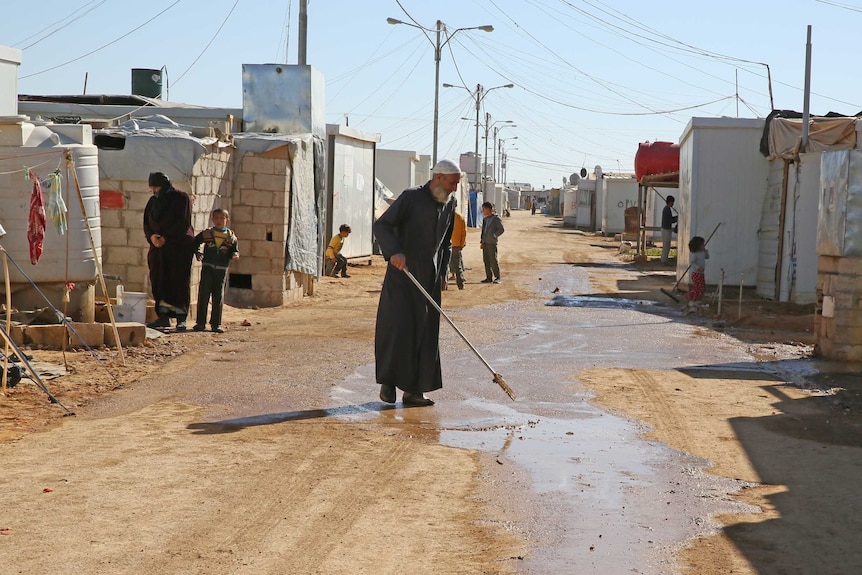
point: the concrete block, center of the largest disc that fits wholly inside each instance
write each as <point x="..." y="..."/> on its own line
<point x="246" y="231"/>
<point x="244" y="180"/>
<point x="251" y="265"/>
<point x="279" y="153"/>
<point x="268" y="283"/>
<point x="114" y="237"/>
<point x="271" y="183"/>
<point x="281" y="200"/>
<point x="17" y="334"/>
<point x="850" y="267"/>
<point x="271" y="215"/>
<point x="111" y="219"/>
<point x="258" y="165"/>
<point x="137" y="186"/>
<point x="240" y="214"/>
<point x="93" y="335"/>
<point x="257" y="197"/>
<point x="281" y="166"/>
<point x="53" y="336"/>
<point x="131" y="334"/>
<point x="263" y="249"/>
<point x="138" y="200"/>
<point x="125" y="255"/>
<point x="827" y="264"/>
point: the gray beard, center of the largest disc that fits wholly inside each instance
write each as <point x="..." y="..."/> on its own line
<point x="440" y="194"/>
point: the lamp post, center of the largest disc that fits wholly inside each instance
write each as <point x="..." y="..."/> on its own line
<point x="478" y="95"/>
<point x="438" y="47"/>
<point x="505" y="163"/>
<point x="508" y="124"/>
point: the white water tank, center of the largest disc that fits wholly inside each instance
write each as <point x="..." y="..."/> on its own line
<point x="41" y="148"/>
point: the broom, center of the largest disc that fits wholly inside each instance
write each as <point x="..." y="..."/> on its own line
<point x="498" y="379"/>
<point x="669" y="293"/>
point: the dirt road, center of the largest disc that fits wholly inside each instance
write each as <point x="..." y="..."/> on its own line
<point x="227" y="453"/>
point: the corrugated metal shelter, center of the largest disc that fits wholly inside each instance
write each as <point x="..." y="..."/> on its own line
<point x="723" y="180"/>
<point x="350" y="187"/>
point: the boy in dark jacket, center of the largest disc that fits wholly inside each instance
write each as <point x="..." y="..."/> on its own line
<point x="220" y="248"/>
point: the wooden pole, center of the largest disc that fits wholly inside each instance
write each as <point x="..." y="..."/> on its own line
<point x="74" y="171"/>
<point x="8" y="318"/>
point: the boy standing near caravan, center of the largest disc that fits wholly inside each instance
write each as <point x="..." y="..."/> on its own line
<point x="220" y="248"/>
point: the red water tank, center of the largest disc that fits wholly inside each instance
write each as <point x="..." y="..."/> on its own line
<point x="655" y="158"/>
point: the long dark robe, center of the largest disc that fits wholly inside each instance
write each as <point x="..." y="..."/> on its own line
<point x="406" y="339"/>
<point x="169" y="214"/>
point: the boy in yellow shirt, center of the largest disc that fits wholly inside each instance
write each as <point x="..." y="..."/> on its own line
<point x="333" y="252"/>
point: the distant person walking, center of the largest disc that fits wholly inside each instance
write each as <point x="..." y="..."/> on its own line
<point x="459" y="240"/>
<point x="668" y="225"/>
<point x="698" y="254"/>
<point x="533" y="207"/>
<point x="492" y="228"/>
<point x="333" y="252"/>
<point x="169" y="231"/>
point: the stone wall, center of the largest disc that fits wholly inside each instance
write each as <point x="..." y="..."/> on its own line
<point x="838" y="321"/>
<point x="260" y="218"/>
<point x="122" y="203"/>
<point x="255" y="188"/>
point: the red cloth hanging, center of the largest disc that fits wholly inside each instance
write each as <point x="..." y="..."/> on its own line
<point x="36" y="223"/>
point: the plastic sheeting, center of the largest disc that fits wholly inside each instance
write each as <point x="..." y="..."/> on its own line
<point x="785" y="135"/>
<point x="839" y="227"/>
<point x="152" y="141"/>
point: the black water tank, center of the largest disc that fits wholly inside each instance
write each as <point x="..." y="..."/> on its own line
<point x="147" y="82"/>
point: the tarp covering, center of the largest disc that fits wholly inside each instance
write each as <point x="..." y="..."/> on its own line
<point x="782" y="134"/>
<point x="151" y="141"/>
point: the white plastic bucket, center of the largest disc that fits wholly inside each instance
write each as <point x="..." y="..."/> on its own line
<point x="137" y="301"/>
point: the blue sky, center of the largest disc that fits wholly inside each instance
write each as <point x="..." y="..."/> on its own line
<point x="592" y="78"/>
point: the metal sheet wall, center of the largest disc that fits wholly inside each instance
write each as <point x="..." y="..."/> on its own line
<point x="723" y="179"/>
<point x="352" y="193"/>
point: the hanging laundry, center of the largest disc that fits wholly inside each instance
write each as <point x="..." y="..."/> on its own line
<point x="55" y="207"/>
<point x="36" y="223"/>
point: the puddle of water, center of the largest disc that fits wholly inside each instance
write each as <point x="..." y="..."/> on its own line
<point x="598" y="301"/>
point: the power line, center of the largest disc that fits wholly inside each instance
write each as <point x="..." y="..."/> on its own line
<point x="135" y="29"/>
<point x="208" y="43"/>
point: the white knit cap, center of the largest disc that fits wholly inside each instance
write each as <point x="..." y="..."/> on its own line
<point x="445" y="166"/>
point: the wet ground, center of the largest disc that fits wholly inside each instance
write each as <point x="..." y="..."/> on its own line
<point x="608" y="500"/>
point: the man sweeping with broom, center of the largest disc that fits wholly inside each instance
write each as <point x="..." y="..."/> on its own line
<point x="414" y="235"/>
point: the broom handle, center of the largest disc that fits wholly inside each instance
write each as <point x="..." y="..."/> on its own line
<point x="689" y="265"/>
<point x="443" y="313"/>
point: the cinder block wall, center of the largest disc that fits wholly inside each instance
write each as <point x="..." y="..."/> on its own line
<point x="838" y="321"/>
<point x="124" y="247"/>
<point x="260" y="217"/>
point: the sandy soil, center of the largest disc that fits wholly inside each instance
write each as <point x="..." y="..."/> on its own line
<point x="141" y="481"/>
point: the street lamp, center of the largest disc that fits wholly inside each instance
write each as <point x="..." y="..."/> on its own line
<point x="508" y="124"/>
<point x="488" y="126"/>
<point x="478" y="95"/>
<point x="438" y="46"/>
<point x="504" y="161"/>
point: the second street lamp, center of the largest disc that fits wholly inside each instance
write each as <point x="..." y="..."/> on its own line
<point x="478" y="95"/>
<point x="438" y="46"/>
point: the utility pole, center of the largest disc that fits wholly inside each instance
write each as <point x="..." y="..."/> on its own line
<point x="476" y="151"/>
<point x="303" y="32"/>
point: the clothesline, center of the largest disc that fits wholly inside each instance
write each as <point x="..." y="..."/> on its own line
<point x="59" y="152"/>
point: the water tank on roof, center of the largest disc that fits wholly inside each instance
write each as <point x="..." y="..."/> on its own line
<point x="653" y="158"/>
<point x="147" y="82"/>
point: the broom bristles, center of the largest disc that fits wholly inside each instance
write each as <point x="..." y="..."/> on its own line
<point x="498" y="379"/>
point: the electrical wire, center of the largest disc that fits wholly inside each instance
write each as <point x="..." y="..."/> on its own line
<point x="46" y="36"/>
<point x="102" y="47"/>
<point x="226" y="18"/>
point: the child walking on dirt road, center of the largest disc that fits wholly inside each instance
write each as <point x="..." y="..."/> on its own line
<point x="698" y="254"/>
